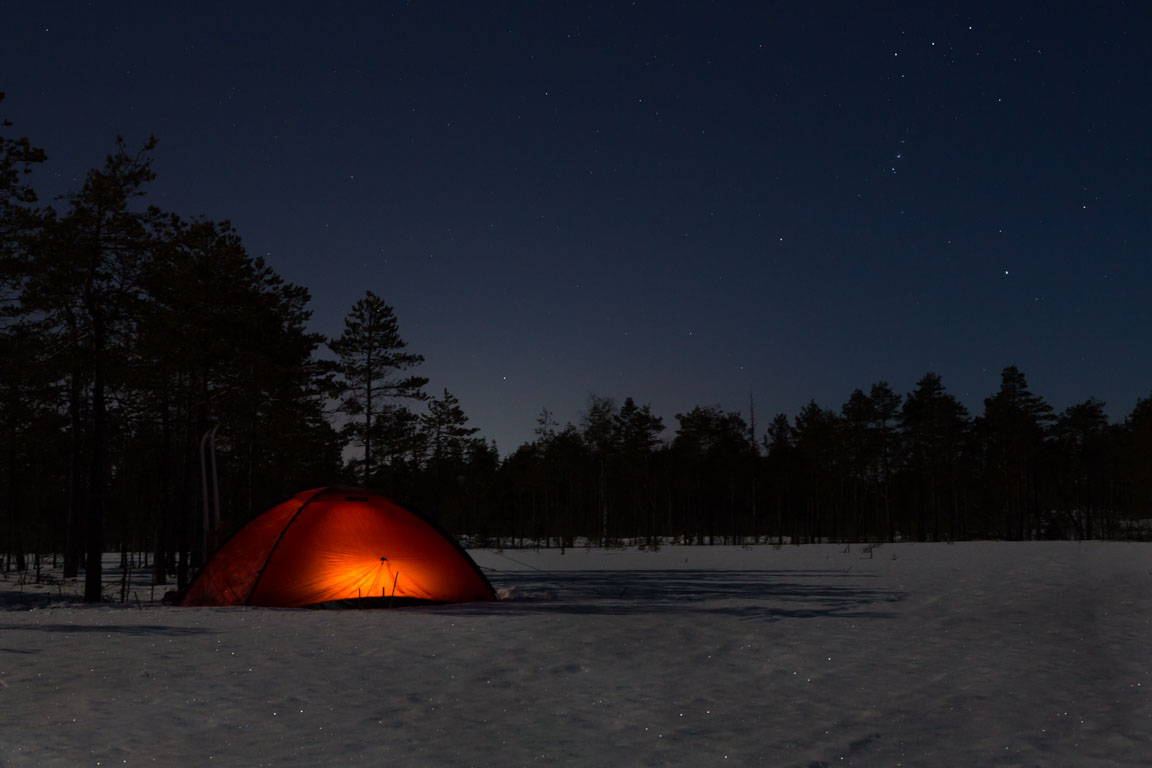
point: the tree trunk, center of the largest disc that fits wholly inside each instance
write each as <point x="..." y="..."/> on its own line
<point x="15" y="529"/>
<point x="93" y="588"/>
<point x="75" y="487"/>
<point x="161" y="535"/>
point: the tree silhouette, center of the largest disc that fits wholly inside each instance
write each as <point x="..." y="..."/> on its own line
<point x="1012" y="430"/>
<point x="86" y="282"/>
<point x="780" y="460"/>
<point x="125" y="332"/>
<point x="18" y="158"/>
<point x="637" y="432"/>
<point x="597" y="429"/>
<point x="862" y="458"/>
<point x="1135" y="459"/>
<point x="1082" y="472"/>
<point x="936" y="429"/>
<point x="370" y="359"/>
<point x="713" y="456"/>
<point x="445" y="425"/>
<point x="819" y="464"/>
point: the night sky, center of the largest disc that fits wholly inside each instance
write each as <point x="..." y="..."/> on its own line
<point x="687" y="203"/>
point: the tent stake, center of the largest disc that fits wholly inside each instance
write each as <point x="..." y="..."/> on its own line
<point x="394" y="580"/>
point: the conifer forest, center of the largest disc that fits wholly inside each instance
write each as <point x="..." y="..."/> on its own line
<point x="160" y="386"/>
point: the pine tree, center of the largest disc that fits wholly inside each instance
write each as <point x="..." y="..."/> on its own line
<point x="597" y="430"/>
<point x="886" y="407"/>
<point x="780" y="443"/>
<point x="451" y="445"/>
<point x="370" y="360"/>
<point x="445" y="425"/>
<point x="18" y="158"/>
<point x="21" y="395"/>
<point x="1135" y="461"/>
<point x="224" y="341"/>
<point x="713" y="453"/>
<point x="935" y="427"/>
<point x="545" y="425"/>
<point x="1083" y="469"/>
<point x="1013" y="429"/>
<point x="400" y="448"/>
<point x="637" y="433"/>
<point x="85" y="282"/>
<point x="862" y="455"/>
<point x="817" y="458"/>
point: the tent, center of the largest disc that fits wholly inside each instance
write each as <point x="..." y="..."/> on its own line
<point x="335" y="544"/>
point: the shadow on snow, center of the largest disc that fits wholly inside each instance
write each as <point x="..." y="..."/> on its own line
<point x="126" y="629"/>
<point x="770" y="595"/>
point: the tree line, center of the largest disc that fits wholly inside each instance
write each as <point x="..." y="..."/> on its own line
<point x="145" y="353"/>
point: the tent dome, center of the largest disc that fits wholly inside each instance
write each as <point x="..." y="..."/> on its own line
<point x="338" y="543"/>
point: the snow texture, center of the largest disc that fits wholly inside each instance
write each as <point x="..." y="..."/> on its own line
<point x="990" y="654"/>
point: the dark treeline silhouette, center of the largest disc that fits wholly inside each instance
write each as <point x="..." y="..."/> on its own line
<point x="133" y="340"/>
<point x="882" y="468"/>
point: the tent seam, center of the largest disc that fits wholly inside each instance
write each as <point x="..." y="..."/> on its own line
<point x="284" y="530"/>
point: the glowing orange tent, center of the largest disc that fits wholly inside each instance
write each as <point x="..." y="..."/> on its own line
<point x="338" y="544"/>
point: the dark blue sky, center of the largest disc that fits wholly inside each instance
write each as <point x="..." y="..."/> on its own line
<point x="686" y="203"/>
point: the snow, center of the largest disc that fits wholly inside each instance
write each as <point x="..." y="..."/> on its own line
<point x="984" y="653"/>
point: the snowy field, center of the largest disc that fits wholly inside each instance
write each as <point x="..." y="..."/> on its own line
<point x="974" y="654"/>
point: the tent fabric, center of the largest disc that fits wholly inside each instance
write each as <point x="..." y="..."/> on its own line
<point x="338" y="544"/>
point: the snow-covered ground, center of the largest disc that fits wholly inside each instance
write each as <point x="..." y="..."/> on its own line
<point x="974" y="654"/>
